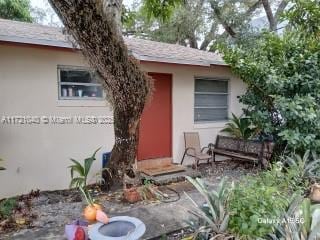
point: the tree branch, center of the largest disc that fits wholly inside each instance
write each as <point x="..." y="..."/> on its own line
<point x="208" y="38"/>
<point x="280" y="10"/>
<point x="271" y="19"/>
<point x="211" y="34"/>
<point x="218" y="15"/>
<point x="253" y="8"/>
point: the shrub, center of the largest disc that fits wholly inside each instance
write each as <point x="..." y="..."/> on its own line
<point x="256" y="198"/>
<point x="267" y="195"/>
<point x="283" y="78"/>
<point x="7" y="206"/>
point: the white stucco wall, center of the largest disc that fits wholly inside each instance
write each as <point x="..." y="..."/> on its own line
<point x="36" y="156"/>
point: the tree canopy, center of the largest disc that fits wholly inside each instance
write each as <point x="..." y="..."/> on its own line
<point x="19" y="10"/>
<point x="201" y="23"/>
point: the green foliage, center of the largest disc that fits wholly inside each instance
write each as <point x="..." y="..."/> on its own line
<point x="213" y="217"/>
<point x="283" y="78"/>
<point x="1" y="168"/>
<point x="82" y="171"/>
<point x="7" y="206"/>
<point x="240" y="127"/>
<point x="303" y="168"/>
<point x="305" y="15"/>
<point x="256" y="198"/>
<point x="16" y="10"/>
<point x="161" y="9"/>
<point x="306" y="224"/>
<point x="128" y="17"/>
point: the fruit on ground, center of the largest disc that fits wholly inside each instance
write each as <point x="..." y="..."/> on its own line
<point x="90" y="212"/>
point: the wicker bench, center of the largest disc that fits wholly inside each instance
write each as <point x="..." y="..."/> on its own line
<point x="254" y="151"/>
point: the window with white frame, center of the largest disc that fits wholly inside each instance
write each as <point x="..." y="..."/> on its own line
<point x="78" y="83"/>
<point x="210" y="100"/>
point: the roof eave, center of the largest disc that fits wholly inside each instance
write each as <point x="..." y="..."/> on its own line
<point x="66" y="44"/>
<point x="42" y="42"/>
<point x="178" y="61"/>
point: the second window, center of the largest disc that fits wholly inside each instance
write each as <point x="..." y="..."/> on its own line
<point x="210" y="100"/>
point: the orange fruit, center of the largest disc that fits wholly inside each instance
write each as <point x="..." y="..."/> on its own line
<point x="90" y="212"/>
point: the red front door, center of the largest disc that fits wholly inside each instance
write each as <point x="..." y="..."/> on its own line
<point x="155" y="125"/>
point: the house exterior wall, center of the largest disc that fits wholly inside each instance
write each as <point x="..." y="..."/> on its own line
<point x="37" y="155"/>
<point x="183" y="83"/>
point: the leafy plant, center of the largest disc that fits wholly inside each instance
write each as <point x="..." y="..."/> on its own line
<point x="1" y="168"/>
<point x="213" y="217"/>
<point x="256" y="198"/>
<point x="240" y="127"/>
<point x="7" y="206"/>
<point x="306" y="167"/>
<point x="300" y="222"/>
<point x="282" y="76"/>
<point x="82" y="171"/>
<point x="19" y="10"/>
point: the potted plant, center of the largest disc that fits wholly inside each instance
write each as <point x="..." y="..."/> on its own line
<point x="130" y="188"/>
<point x="131" y="194"/>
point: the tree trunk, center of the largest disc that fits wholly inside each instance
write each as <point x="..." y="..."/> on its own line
<point x="128" y="88"/>
<point x="268" y="10"/>
<point x="114" y="9"/>
<point x="126" y="129"/>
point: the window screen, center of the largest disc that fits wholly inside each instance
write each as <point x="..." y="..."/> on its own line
<point x="210" y="100"/>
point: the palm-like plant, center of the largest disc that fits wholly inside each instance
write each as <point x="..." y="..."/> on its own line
<point x="82" y="170"/>
<point x="307" y="166"/>
<point x="240" y="127"/>
<point x="213" y="217"/>
<point x="2" y="168"/>
<point x="300" y="222"/>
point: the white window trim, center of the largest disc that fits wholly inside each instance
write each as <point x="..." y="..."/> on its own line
<point x="214" y="123"/>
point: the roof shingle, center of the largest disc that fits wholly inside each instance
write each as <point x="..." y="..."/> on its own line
<point x="146" y="50"/>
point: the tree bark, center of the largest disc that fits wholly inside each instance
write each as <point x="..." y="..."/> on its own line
<point x="209" y="37"/>
<point x="128" y="88"/>
<point x="268" y="10"/>
<point x="273" y="19"/>
<point x="193" y="41"/>
<point x="280" y="10"/>
<point x="114" y="9"/>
